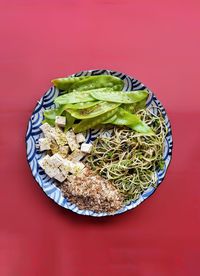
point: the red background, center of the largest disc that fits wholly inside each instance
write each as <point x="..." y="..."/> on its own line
<point x="155" y="41"/>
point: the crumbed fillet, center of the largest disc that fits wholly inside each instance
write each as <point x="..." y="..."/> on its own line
<point x="92" y="192"/>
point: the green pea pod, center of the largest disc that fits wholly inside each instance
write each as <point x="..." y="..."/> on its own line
<point x="66" y="83"/>
<point x="80" y="105"/>
<point x="124" y="118"/>
<point x="74" y="97"/>
<point x="50" y="114"/>
<point x="77" y="97"/>
<point x="111" y="119"/>
<point x="93" y="122"/>
<point x="85" y="83"/>
<point x="120" y="96"/>
<point x="134" y="107"/>
<point x="93" y="111"/>
<point x="70" y="121"/>
<point x="50" y="122"/>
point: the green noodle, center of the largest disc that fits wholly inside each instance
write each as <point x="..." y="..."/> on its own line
<point x="130" y="159"/>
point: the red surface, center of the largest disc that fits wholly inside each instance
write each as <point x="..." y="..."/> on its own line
<point x="155" y="41"/>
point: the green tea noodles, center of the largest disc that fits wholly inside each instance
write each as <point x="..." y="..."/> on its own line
<point x="130" y="159"/>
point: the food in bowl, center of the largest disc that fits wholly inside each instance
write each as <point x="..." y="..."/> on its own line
<point x="117" y="167"/>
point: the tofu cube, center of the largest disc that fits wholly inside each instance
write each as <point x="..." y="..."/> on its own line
<point x="51" y="171"/>
<point x="87" y="148"/>
<point x="44" y="144"/>
<point x="63" y="151"/>
<point x="71" y="167"/>
<point x="66" y="167"/>
<point x="46" y="129"/>
<point x="54" y="147"/>
<point x="58" y="136"/>
<point x="77" y="167"/>
<point x="56" y="160"/>
<point x="44" y="162"/>
<point x="60" y="121"/>
<point x="60" y="176"/>
<point x="51" y="133"/>
<point x="76" y="155"/>
<point x="80" y="138"/>
<point x="71" y="139"/>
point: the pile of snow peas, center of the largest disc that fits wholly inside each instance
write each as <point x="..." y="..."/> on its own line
<point x="91" y="101"/>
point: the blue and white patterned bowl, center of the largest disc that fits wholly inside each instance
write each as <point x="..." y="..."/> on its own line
<point x="34" y="133"/>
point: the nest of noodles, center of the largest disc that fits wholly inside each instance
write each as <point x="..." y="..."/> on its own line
<point x="130" y="159"/>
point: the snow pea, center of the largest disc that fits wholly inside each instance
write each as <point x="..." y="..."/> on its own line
<point x="111" y="119"/>
<point x="77" y="97"/>
<point x="50" y="114"/>
<point x="93" y="122"/>
<point x="70" y="121"/>
<point x="120" y="96"/>
<point x="134" y="107"/>
<point x="50" y="122"/>
<point x="84" y="83"/>
<point x="66" y="83"/>
<point x="81" y="105"/>
<point x="93" y="111"/>
<point x="74" y="97"/>
<point x="125" y="118"/>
